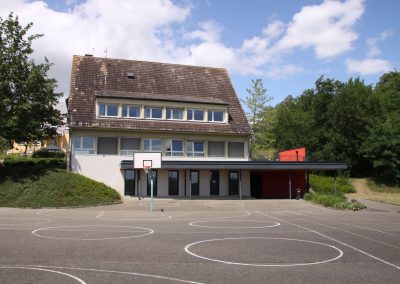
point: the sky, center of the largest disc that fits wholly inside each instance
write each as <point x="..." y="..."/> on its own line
<point x="288" y="44"/>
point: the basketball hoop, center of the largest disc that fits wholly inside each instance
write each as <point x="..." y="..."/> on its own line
<point x="146" y="169"/>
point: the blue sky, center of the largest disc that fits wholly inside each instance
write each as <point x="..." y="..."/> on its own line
<point x="286" y="43"/>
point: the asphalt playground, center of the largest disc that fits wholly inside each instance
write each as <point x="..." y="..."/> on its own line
<point x="201" y="241"/>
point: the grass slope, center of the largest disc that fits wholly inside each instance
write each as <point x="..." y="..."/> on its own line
<point x="375" y="190"/>
<point x="323" y="193"/>
<point x="54" y="188"/>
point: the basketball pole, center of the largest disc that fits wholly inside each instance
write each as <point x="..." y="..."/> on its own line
<point x="151" y="191"/>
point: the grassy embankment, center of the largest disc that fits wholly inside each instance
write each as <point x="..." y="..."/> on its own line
<point x="323" y="193"/>
<point x="376" y="190"/>
<point x="36" y="183"/>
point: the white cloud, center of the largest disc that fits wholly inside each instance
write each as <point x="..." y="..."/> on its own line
<point x="368" y="66"/>
<point x="155" y="30"/>
<point x="327" y="28"/>
<point x="372" y="43"/>
<point x="282" y="71"/>
<point x="209" y="32"/>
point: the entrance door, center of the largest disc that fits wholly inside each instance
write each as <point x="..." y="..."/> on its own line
<point x="173" y="183"/>
<point x="194" y="183"/>
<point x="214" y="182"/>
<point x="154" y="172"/>
<point x="234" y="183"/>
<point x="129" y="182"/>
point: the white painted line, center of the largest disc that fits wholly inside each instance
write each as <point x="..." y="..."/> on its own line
<point x="121" y="272"/>
<point x="27" y="221"/>
<point x="100" y="214"/>
<point x="35" y="232"/>
<point x="160" y="204"/>
<point x="220" y="204"/>
<point x="361" y="227"/>
<point x="216" y="218"/>
<point x="42" y="269"/>
<point x="196" y="224"/>
<point x="352" y="233"/>
<point x="335" y="240"/>
<point x="264" y="264"/>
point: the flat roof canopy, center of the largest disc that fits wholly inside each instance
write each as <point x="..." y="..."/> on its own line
<point x="246" y="165"/>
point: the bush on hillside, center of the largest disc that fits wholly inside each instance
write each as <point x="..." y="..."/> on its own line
<point x="324" y="184"/>
<point x="47" y="154"/>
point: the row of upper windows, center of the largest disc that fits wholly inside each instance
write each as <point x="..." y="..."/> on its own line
<point x="150" y="112"/>
<point x="169" y="147"/>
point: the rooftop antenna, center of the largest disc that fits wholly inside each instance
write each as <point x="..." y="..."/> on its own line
<point x="105" y="52"/>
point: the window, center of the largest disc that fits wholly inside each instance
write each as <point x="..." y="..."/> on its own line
<point x="83" y="144"/>
<point x="129" y="146"/>
<point x="195" y="149"/>
<point x="108" y="110"/>
<point x="107" y="145"/>
<point x="173" y="182"/>
<point x="215" y="116"/>
<point x="195" y="114"/>
<point x="235" y="149"/>
<point x="152" y="112"/>
<point x="216" y="148"/>
<point x="130" y="111"/>
<point x="152" y="145"/>
<point x="173" y="113"/>
<point x="174" y="148"/>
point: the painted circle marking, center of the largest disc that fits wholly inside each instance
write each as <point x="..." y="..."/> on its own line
<point x="221" y="204"/>
<point x="25" y="221"/>
<point x="149" y="232"/>
<point x="46" y="270"/>
<point x="196" y="224"/>
<point x="187" y="249"/>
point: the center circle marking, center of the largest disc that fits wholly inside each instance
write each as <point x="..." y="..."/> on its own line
<point x="147" y="232"/>
<point x="196" y="224"/>
<point x="187" y="249"/>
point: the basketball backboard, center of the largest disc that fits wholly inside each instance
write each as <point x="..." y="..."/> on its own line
<point x="147" y="160"/>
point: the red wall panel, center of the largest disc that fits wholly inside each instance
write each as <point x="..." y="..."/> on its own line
<point x="276" y="184"/>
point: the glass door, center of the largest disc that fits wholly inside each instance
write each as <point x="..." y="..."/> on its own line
<point x="195" y="183"/>
<point x="214" y="182"/>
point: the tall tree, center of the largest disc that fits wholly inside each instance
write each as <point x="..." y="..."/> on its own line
<point x="28" y="101"/>
<point x="256" y="102"/>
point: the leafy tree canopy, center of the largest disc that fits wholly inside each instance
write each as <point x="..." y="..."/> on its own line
<point x="28" y="101"/>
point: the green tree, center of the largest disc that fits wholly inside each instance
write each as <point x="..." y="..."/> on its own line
<point x="256" y="102"/>
<point x="28" y="101"/>
<point x="382" y="145"/>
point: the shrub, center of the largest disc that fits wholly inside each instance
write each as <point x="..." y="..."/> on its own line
<point x="47" y="154"/>
<point x="334" y="201"/>
<point x="324" y="184"/>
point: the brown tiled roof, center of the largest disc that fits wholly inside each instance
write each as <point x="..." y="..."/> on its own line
<point x="93" y="77"/>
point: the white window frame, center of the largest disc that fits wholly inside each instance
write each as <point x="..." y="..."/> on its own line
<point x="81" y="150"/>
<point x="170" y="111"/>
<point x="151" y="112"/>
<point x="194" y="153"/>
<point x="172" y="152"/>
<point x="213" y="111"/>
<point x="193" y="110"/>
<point x="127" y="110"/>
<point x="106" y="109"/>
<point x="151" y="144"/>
